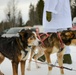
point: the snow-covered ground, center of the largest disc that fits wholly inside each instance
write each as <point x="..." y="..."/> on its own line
<point x="6" y="66"/>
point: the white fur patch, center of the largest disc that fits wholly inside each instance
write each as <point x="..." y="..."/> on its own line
<point x="49" y="72"/>
<point x="24" y="57"/>
<point x="55" y="50"/>
<point x="36" y="42"/>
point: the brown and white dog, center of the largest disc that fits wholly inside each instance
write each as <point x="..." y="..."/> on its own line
<point x="36" y="52"/>
<point x="50" y="43"/>
<point x="53" y="42"/>
<point x="15" y="49"/>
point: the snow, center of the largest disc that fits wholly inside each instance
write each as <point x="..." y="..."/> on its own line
<point x="6" y="66"/>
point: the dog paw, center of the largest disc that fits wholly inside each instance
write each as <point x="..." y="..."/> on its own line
<point x="28" y="69"/>
<point x="38" y="67"/>
<point x="49" y="73"/>
<point x="62" y="74"/>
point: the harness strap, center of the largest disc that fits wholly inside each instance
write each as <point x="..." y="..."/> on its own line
<point x="62" y="44"/>
<point x="42" y="40"/>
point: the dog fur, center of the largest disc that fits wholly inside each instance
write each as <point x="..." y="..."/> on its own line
<point x="17" y="52"/>
<point x="36" y="52"/>
<point x="51" y="45"/>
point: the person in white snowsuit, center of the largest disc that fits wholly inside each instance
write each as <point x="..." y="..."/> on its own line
<point x="57" y="16"/>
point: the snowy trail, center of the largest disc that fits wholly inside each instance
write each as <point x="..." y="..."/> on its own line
<point x="6" y="66"/>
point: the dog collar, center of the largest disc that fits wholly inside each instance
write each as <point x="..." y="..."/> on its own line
<point x="20" y="44"/>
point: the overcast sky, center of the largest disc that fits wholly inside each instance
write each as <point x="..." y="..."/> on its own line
<point x="23" y="5"/>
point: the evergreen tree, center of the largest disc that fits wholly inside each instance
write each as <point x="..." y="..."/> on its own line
<point x="31" y="14"/>
<point x="20" y="19"/>
<point x="35" y="14"/>
<point x="39" y="10"/>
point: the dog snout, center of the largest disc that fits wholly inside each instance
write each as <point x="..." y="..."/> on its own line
<point x="39" y="42"/>
<point x="29" y="46"/>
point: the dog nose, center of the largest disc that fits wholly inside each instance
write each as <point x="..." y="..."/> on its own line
<point x="39" y="42"/>
<point x="29" y="46"/>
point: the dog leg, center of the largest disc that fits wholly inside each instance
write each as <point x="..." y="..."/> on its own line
<point x="47" y="55"/>
<point x="1" y="60"/>
<point x="29" y="62"/>
<point x="60" y="61"/>
<point x="23" y="67"/>
<point x="15" y="68"/>
<point x="39" y="54"/>
<point x="31" y="55"/>
<point x="29" y="65"/>
<point x="36" y="57"/>
<point x="62" y="74"/>
<point x="49" y="73"/>
<point x="1" y="73"/>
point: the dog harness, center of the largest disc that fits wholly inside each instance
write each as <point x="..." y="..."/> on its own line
<point x="42" y="40"/>
<point x="40" y="35"/>
<point x="61" y="42"/>
<point x="47" y="35"/>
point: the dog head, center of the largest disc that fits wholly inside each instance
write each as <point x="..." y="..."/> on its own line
<point x="28" y="37"/>
<point x="67" y="37"/>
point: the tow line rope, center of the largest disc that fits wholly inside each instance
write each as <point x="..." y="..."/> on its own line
<point x="52" y="65"/>
<point x="62" y="67"/>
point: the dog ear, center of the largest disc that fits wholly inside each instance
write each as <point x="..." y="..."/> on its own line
<point x="21" y="34"/>
<point x="70" y="34"/>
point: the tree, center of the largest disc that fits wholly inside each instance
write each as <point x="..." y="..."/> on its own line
<point x="20" y="19"/>
<point x="39" y="10"/>
<point x="73" y="8"/>
<point x="73" y="12"/>
<point x="35" y="13"/>
<point x="31" y="14"/>
<point x="11" y="12"/>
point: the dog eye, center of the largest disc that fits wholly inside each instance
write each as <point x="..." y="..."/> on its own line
<point x="32" y="37"/>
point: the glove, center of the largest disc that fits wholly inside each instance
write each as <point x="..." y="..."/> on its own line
<point x="48" y="16"/>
